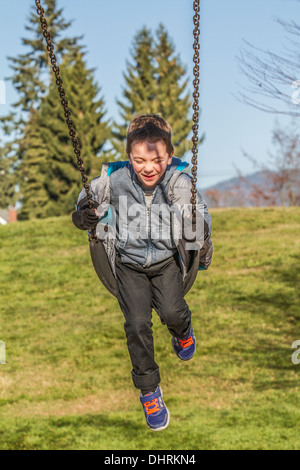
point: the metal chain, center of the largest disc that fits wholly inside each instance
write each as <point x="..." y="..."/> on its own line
<point x="196" y="95"/>
<point x="67" y="112"/>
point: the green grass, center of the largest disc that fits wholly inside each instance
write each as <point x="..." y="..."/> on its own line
<point x="67" y="383"/>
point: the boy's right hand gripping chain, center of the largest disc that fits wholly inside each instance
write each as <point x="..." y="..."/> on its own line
<point x="85" y="219"/>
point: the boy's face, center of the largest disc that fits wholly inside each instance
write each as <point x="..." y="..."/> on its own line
<point x="149" y="161"/>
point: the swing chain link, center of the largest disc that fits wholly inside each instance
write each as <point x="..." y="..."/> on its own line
<point x="196" y="82"/>
<point x="67" y="112"/>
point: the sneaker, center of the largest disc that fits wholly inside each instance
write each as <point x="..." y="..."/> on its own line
<point x="185" y="348"/>
<point x="156" y="413"/>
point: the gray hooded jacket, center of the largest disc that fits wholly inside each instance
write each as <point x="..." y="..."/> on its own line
<point x="142" y="236"/>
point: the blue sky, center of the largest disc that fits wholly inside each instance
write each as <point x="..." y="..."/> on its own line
<point x="108" y="28"/>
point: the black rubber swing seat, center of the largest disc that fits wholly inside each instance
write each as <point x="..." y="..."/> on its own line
<point x="106" y="276"/>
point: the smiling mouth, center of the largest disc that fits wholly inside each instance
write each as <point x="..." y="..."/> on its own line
<point x="148" y="177"/>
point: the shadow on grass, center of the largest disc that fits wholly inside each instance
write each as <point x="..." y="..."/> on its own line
<point x="275" y="385"/>
<point x="279" y="306"/>
<point x="70" y="432"/>
<point x="285" y="300"/>
<point x="98" y="432"/>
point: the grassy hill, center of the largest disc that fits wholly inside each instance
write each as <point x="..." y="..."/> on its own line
<point x="67" y="384"/>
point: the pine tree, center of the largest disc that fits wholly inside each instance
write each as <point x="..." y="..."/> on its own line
<point x="140" y="88"/>
<point x="155" y="83"/>
<point x="32" y="192"/>
<point x="58" y="175"/>
<point x="173" y="101"/>
<point x="7" y="192"/>
<point x="31" y="77"/>
<point x="33" y="70"/>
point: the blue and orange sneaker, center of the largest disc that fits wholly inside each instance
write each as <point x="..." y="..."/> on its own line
<point x="185" y="348"/>
<point x="156" y="413"/>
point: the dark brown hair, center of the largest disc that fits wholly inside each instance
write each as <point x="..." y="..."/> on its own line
<point x="150" y="127"/>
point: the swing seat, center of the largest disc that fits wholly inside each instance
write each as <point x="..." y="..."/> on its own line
<point x="106" y="276"/>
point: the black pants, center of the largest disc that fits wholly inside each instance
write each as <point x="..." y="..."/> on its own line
<point x="139" y="289"/>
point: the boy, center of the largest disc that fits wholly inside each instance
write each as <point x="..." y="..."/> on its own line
<point x="149" y="253"/>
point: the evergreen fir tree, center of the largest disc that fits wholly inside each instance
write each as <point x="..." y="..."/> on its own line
<point x="140" y="88"/>
<point x="155" y="83"/>
<point x="31" y="79"/>
<point x="172" y="99"/>
<point x="59" y="177"/>
<point x="33" y="70"/>
<point x="32" y="192"/>
<point x="7" y="192"/>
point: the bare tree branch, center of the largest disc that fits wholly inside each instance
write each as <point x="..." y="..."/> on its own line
<point x="273" y="79"/>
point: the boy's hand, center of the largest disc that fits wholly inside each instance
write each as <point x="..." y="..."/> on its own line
<point x="189" y="232"/>
<point x="85" y="219"/>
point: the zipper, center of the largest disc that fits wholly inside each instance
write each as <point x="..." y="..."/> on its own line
<point x="148" y="225"/>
